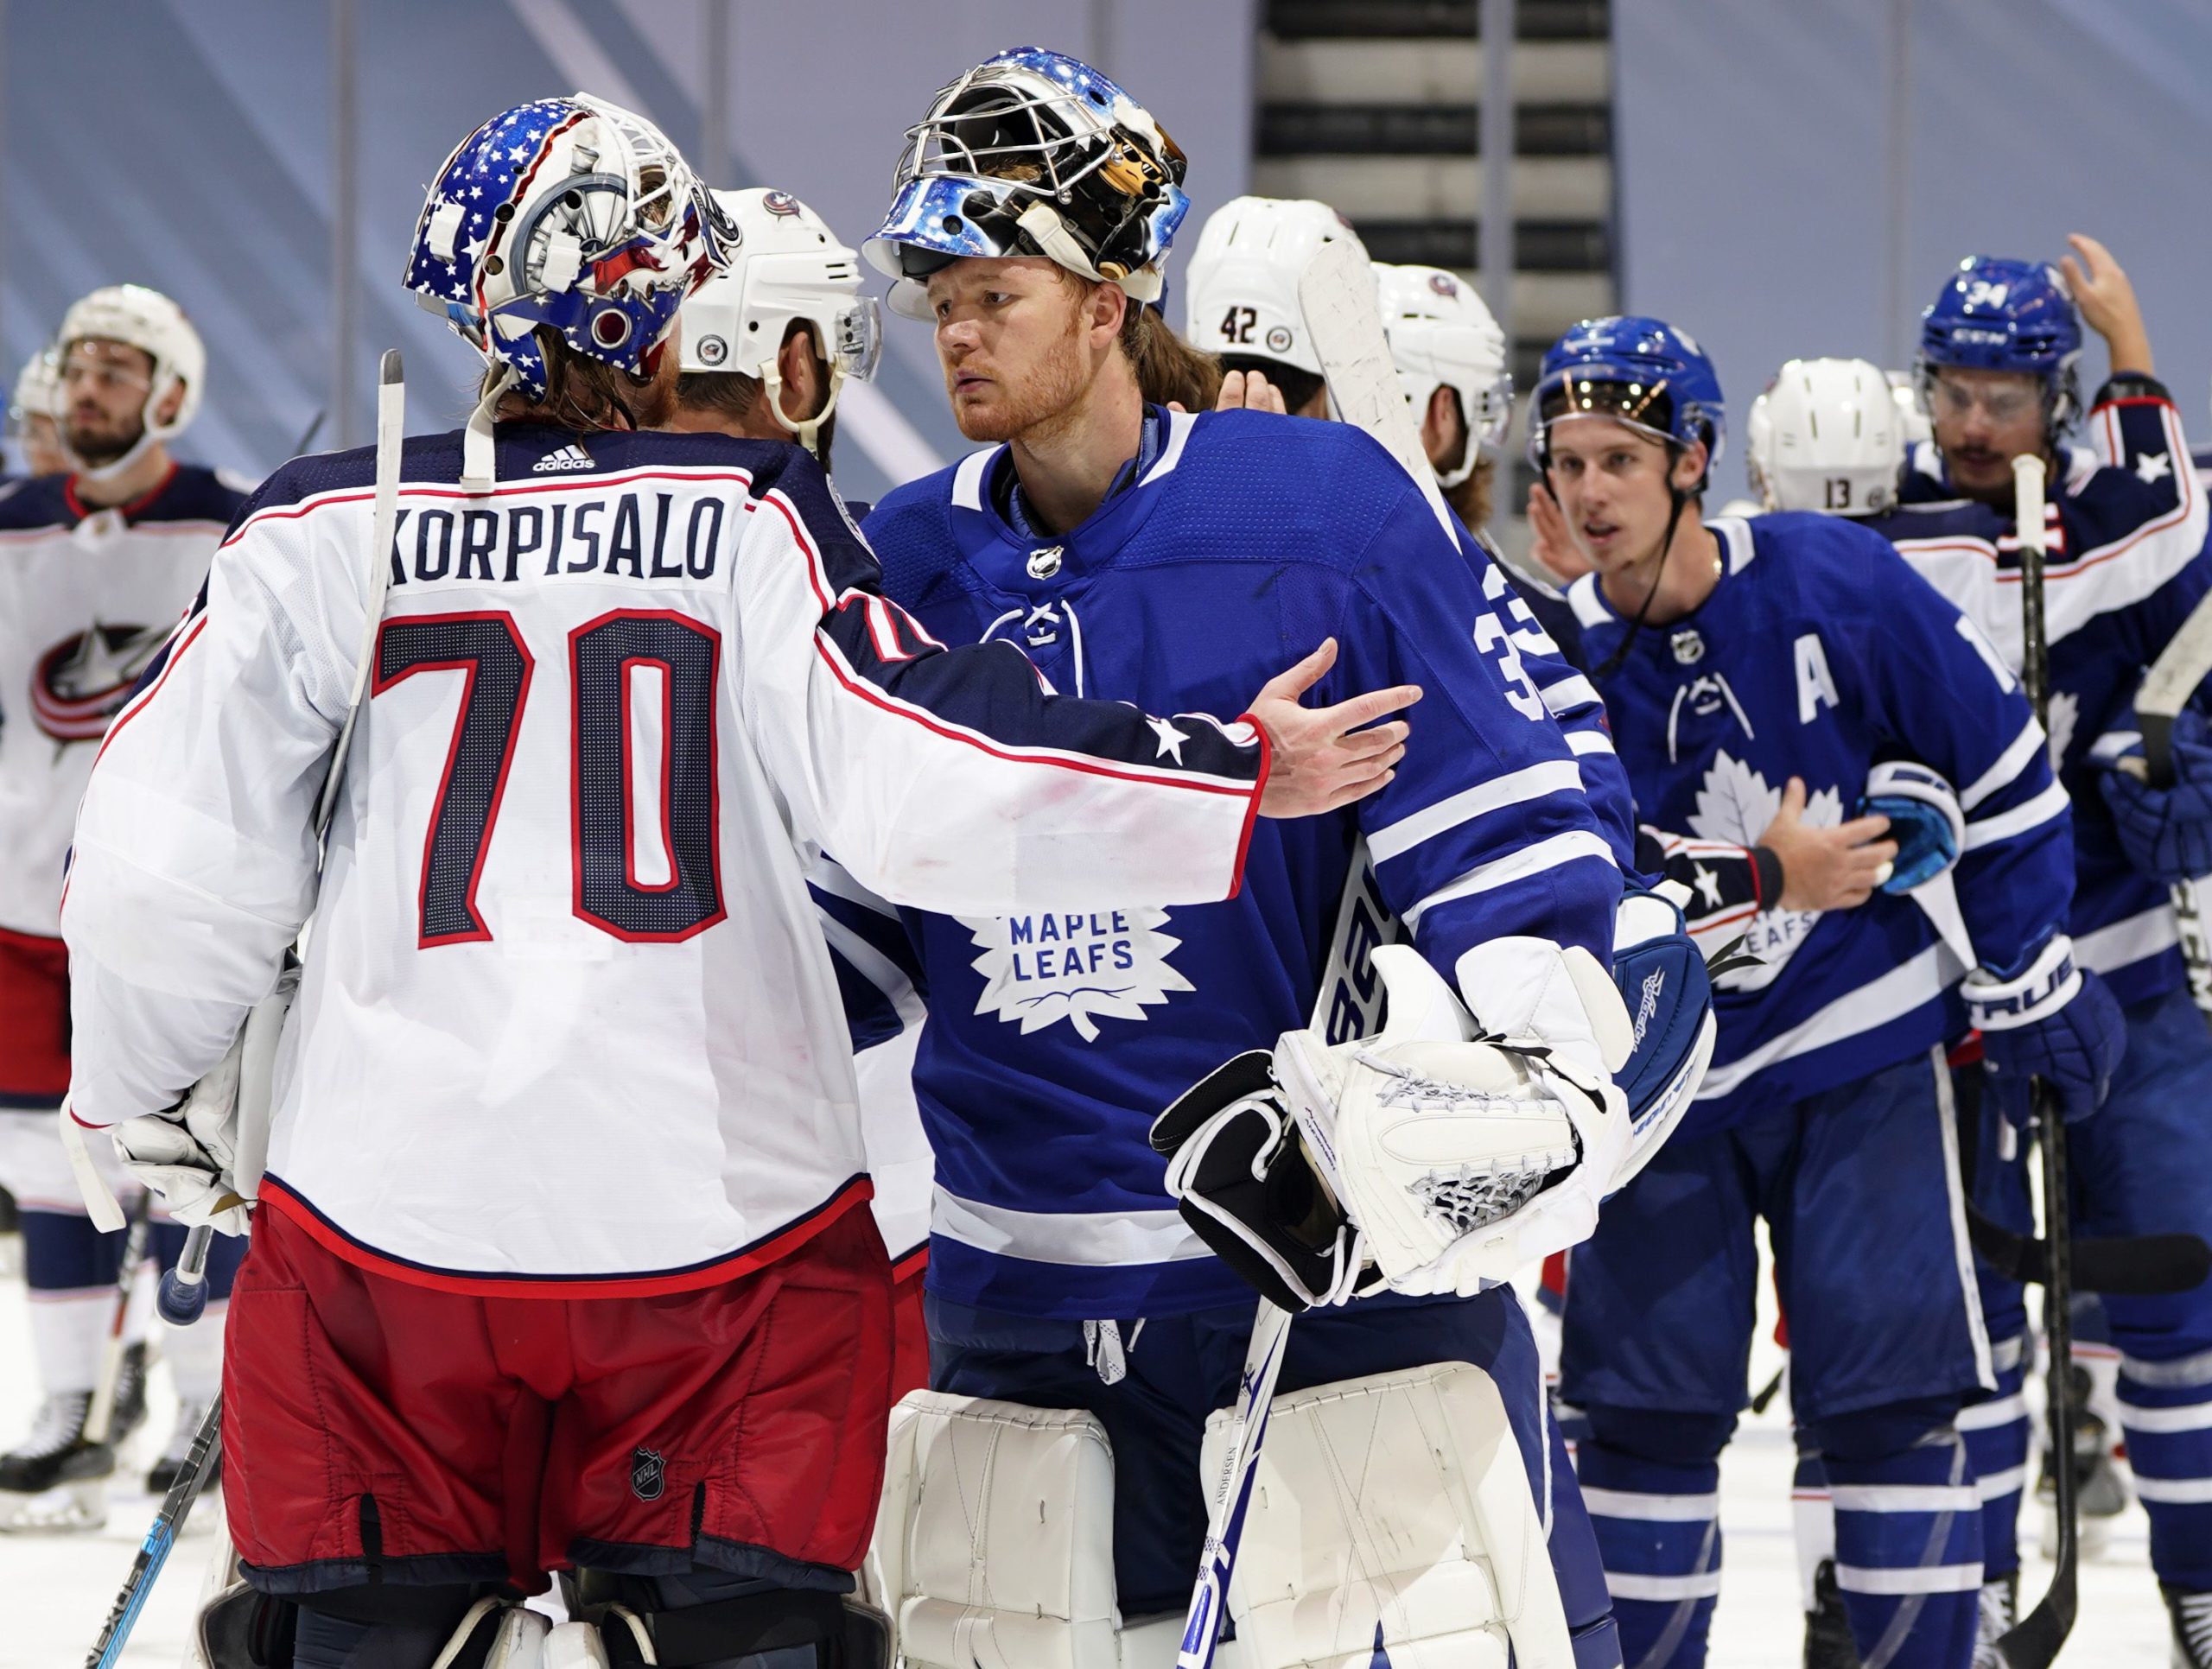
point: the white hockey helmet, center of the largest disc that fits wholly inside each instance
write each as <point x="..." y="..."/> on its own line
<point x="1912" y="409"/>
<point x="1825" y="435"/>
<point x="1441" y="335"/>
<point x="38" y="388"/>
<point x="787" y="266"/>
<point x="146" y="319"/>
<point x="1241" y="289"/>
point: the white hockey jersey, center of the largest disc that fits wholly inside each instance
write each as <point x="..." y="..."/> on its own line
<point x="86" y="598"/>
<point x="567" y="1024"/>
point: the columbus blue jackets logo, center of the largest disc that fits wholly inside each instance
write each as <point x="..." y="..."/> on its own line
<point x="83" y="682"/>
<point x="1077" y="968"/>
<point x="779" y="202"/>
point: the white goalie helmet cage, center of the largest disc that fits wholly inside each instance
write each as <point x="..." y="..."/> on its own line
<point x="148" y="321"/>
<point x="787" y="266"/>
<point x="1825" y="435"/>
<point x="1441" y="335"/>
<point x="1241" y="289"/>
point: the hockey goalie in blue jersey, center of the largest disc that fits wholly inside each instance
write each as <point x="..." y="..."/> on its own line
<point x="2126" y="567"/>
<point x="1133" y="551"/>
<point x="1733" y="655"/>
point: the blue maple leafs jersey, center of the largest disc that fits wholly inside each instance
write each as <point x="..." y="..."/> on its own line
<point x="1238" y="542"/>
<point x="2124" y="563"/>
<point x="1818" y="654"/>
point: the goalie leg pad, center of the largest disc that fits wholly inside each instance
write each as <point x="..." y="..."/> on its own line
<point x="1394" y="1511"/>
<point x="995" y="1543"/>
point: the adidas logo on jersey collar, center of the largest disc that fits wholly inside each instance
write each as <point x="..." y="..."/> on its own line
<point x="571" y="456"/>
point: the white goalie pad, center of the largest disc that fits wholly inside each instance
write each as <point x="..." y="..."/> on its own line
<point x="995" y="1542"/>
<point x="1397" y="1503"/>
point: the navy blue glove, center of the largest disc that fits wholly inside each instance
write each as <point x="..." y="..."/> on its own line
<point x="2166" y="832"/>
<point x="1662" y="980"/>
<point x="2054" y="1022"/>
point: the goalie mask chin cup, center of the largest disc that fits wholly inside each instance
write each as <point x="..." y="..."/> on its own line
<point x="1032" y="153"/>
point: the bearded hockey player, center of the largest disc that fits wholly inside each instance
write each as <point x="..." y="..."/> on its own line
<point x="623" y="685"/>
<point x="2124" y="568"/>
<point x="767" y="346"/>
<point x="1733" y="655"/>
<point x="1072" y="1310"/>
<point x="95" y="567"/>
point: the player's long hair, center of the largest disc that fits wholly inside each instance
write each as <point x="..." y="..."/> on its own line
<point x="587" y="394"/>
<point x="1170" y="372"/>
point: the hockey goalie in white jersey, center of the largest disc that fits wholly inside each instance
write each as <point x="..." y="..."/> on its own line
<point x="558" y="1264"/>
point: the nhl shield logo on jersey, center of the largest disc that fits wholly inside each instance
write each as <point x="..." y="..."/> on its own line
<point x="1736" y="803"/>
<point x="83" y="682"/>
<point x="1079" y="968"/>
<point x="648" y="1474"/>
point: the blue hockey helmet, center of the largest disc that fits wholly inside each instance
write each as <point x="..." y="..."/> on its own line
<point x="1033" y="153"/>
<point x="1642" y="372"/>
<point x="1995" y="315"/>
<point x="568" y="213"/>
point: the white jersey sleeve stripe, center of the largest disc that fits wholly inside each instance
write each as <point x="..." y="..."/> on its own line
<point x="1514" y="788"/>
<point x="2010" y="763"/>
<point x="2051" y="802"/>
<point x="1532" y="860"/>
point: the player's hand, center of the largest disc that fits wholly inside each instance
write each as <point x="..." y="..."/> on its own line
<point x="1553" y="546"/>
<point x="1321" y="757"/>
<point x="2107" y="302"/>
<point x="1826" y="868"/>
<point x="1248" y="391"/>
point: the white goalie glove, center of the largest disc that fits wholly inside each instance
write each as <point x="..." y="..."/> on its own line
<point x="1464" y="1156"/>
<point x="1443" y="1154"/>
<point x="202" y="1155"/>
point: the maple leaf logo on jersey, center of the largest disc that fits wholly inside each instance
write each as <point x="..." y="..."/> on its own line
<point x="1077" y="968"/>
<point x="1736" y="803"/>
<point x="83" y="682"/>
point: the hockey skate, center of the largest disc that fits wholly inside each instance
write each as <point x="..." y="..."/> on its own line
<point x="2099" y="1494"/>
<point x="1828" y="1641"/>
<point x="2191" y="1615"/>
<point x="55" y="1480"/>
<point x="2000" y="1610"/>
<point x="161" y="1476"/>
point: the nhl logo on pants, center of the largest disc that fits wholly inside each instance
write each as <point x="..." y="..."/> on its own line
<point x="648" y="1477"/>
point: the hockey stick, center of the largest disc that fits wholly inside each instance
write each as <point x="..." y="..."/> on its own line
<point x="264" y="1024"/>
<point x="2034" y="1641"/>
<point x="99" y="1417"/>
<point x="1233" y="1488"/>
<point x="161" y="1540"/>
<point x="2182" y="666"/>
<point x="182" y="1295"/>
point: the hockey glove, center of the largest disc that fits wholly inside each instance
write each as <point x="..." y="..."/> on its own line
<point x="1925" y="821"/>
<point x="1462" y="1158"/>
<point x="1241" y="1179"/>
<point x="2166" y="832"/>
<point x="188" y="1154"/>
<point x="2054" y="1022"/>
<point x="1662" y="976"/>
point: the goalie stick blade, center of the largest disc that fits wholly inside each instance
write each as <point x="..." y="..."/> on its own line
<point x="2143" y="1266"/>
<point x="1344" y="320"/>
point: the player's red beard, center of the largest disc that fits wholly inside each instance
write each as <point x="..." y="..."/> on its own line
<point x="1017" y="401"/>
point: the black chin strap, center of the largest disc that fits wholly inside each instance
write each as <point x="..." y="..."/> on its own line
<point x="1618" y="658"/>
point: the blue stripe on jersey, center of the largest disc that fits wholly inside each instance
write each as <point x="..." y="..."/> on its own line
<point x="1818" y="653"/>
<point x="1054" y="1040"/>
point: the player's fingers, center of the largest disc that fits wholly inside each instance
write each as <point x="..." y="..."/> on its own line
<point x="1861" y="829"/>
<point x="1793" y="803"/>
<point x="2072" y="272"/>
<point x="1366" y="764"/>
<point x="1854" y="897"/>
<point x="1359" y="791"/>
<point x="1290" y="684"/>
<point x="1232" y="394"/>
<point x="1366" y="744"/>
<point x="1175" y="405"/>
<point x="1265" y="395"/>
<point x="1364" y="710"/>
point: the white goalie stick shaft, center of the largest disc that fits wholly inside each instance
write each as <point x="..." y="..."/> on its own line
<point x="1232" y="1490"/>
<point x="391" y="429"/>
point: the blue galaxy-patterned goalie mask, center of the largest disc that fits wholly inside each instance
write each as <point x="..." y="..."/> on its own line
<point x="568" y="212"/>
<point x="1033" y="153"/>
